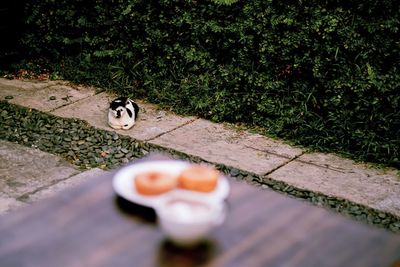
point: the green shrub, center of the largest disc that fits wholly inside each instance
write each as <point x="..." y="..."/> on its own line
<point x="324" y="74"/>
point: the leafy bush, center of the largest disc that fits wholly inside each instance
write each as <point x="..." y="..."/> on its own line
<point x="324" y="74"/>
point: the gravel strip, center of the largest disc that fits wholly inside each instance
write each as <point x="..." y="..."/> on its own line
<point x="88" y="147"/>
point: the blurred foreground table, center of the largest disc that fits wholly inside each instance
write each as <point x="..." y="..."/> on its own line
<point x="91" y="226"/>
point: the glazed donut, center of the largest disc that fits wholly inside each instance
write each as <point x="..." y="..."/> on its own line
<point x="154" y="183"/>
<point x="198" y="177"/>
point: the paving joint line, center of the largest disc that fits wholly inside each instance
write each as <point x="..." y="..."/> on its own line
<point x="79" y="100"/>
<point x="296" y="158"/>
<point x="169" y="131"/>
<point x="67" y="104"/>
<point x="24" y="197"/>
<point x="283" y="164"/>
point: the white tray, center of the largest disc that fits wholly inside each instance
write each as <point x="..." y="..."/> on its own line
<point x="124" y="186"/>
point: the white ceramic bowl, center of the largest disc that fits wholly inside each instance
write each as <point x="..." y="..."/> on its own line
<point x="187" y="220"/>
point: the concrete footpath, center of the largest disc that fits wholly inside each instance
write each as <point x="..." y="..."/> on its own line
<point x="218" y="143"/>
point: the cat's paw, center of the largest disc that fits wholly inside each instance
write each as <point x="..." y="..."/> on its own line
<point x="117" y="127"/>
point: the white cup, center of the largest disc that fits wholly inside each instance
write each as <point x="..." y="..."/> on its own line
<point x="188" y="220"/>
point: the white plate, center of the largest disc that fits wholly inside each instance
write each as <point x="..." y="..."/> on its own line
<point x="124" y="186"/>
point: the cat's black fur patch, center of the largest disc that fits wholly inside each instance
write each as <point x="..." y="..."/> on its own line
<point x="129" y="112"/>
<point x="136" y="107"/>
<point x="119" y="102"/>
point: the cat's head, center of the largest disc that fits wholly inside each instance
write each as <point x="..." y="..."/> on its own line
<point x="117" y="107"/>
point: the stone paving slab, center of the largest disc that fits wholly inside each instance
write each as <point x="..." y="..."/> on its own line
<point x="151" y="121"/>
<point x="66" y="184"/>
<point x="42" y="95"/>
<point x="17" y="87"/>
<point x="220" y="144"/>
<point x="268" y="145"/>
<point x="25" y="170"/>
<point x="28" y="175"/>
<point x="343" y="178"/>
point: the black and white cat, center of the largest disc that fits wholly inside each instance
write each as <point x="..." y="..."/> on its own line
<point x="122" y="113"/>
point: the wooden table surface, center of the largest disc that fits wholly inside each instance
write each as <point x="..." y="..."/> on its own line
<point x="91" y="226"/>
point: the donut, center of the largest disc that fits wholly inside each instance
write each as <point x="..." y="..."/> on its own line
<point x="154" y="183"/>
<point x="198" y="177"/>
